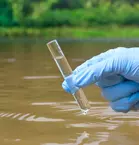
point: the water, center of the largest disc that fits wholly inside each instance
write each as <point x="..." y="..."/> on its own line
<point x="34" y="109"/>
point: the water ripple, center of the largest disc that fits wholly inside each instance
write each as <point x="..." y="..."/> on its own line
<point x="109" y="126"/>
<point x="28" y="117"/>
<point x="40" y="77"/>
<point x="99" y="110"/>
<point x="78" y="141"/>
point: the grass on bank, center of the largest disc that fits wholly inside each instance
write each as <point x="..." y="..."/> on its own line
<point x="75" y="33"/>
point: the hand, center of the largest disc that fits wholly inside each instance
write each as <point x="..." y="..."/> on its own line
<point x="116" y="72"/>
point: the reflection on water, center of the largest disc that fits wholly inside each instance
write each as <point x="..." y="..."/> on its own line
<point x="34" y="109"/>
<point x="20" y="116"/>
<point x="78" y="141"/>
<point x="103" y="112"/>
<point x="100" y="118"/>
<point x="40" y="77"/>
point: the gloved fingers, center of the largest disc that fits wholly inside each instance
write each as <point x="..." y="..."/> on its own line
<point x="98" y="58"/>
<point x="128" y="70"/>
<point x="99" y="66"/>
<point x="69" y="86"/>
<point x="134" y="50"/>
<point x="110" y="81"/>
<point x="135" y="107"/>
<point x="125" y="104"/>
<point x="101" y="70"/>
<point x="121" y="90"/>
<point x="112" y="66"/>
<point x="130" y="64"/>
<point x="66" y="87"/>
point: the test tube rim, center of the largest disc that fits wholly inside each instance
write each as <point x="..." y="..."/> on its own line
<point x="52" y="42"/>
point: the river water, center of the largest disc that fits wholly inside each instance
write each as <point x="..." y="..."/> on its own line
<point x="34" y="109"/>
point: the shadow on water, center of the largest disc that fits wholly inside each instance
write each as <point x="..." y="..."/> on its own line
<point x="34" y="109"/>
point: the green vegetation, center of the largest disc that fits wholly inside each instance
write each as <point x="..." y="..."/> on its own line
<point x="67" y="18"/>
<point x="65" y="32"/>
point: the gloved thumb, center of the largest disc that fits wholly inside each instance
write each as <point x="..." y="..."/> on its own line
<point x="68" y="85"/>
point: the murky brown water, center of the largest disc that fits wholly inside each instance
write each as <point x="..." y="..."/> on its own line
<point x="34" y="109"/>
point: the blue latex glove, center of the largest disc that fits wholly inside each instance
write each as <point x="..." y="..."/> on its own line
<point x="116" y="72"/>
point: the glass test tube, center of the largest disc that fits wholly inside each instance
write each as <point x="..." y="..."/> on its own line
<point x="66" y="70"/>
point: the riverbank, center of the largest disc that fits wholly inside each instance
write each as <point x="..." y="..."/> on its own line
<point x="75" y="33"/>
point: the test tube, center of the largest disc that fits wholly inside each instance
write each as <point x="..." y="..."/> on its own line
<point x="66" y="70"/>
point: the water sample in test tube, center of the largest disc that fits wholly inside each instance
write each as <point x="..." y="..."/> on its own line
<point x="66" y="70"/>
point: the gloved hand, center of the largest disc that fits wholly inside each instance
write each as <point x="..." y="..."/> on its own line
<point x="116" y="72"/>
